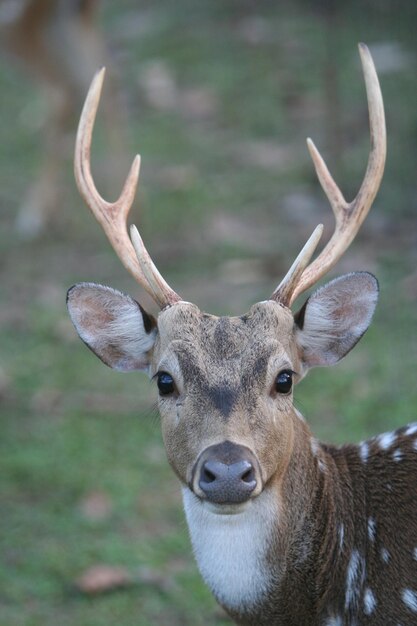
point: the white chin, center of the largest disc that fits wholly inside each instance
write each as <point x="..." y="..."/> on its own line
<point x="225" y="509"/>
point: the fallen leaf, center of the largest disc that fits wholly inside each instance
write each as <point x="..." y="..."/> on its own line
<point x="96" y="506"/>
<point x="103" y="579"/>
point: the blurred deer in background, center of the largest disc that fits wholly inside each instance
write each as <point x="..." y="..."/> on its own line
<point x="61" y="46"/>
<point x="286" y="530"/>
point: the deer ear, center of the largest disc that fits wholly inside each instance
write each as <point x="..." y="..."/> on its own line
<point x="335" y="317"/>
<point x="113" y="325"/>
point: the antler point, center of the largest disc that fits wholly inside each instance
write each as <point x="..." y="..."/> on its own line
<point x="98" y="79"/>
<point x="312" y="148"/>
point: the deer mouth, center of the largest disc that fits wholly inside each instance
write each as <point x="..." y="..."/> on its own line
<point x="222" y="510"/>
<point x="226" y="509"/>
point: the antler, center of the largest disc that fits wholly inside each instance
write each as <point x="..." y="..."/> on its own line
<point x="349" y="216"/>
<point x="112" y="216"/>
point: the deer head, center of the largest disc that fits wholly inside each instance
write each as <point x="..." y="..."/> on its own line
<point x="226" y="384"/>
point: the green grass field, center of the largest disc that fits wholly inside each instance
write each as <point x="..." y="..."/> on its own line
<point x="227" y="197"/>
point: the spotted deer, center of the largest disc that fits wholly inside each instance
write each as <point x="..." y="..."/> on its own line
<point x="286" y="530"/>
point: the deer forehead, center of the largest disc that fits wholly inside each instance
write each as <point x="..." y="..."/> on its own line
<point x="190" y="340"/>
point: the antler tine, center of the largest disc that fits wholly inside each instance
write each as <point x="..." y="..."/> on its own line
<point x="349" y="216"/>
<point x="286" y="287"/>
<point x="159" y="289"/>
<point x="112" y="216"/>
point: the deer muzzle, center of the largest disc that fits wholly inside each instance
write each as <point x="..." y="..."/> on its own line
<point x="226" y="473"/>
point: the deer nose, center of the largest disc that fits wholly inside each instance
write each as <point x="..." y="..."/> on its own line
<point x="223" y="483"/>
<point x="226" y="473"/>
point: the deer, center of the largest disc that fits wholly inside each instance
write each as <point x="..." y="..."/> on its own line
<point x="59" y="43"/>
<point x="286" y="530"/>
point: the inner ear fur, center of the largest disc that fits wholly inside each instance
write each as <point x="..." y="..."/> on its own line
<point x="113" y="325"/>
<point x="335" y="317"/>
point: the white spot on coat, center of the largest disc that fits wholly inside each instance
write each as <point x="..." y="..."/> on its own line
<point x="410" y="599"/>
<point x="334" y="621"/>
<point x="386" y="440"/>
<point x="369" y="601"/>
<point x="341" y="536"/>
<point x="354" y="580"/>
<point x="385" y="555"/>
<point x="415" y="553"/>
<point x="411" y="429"/>
<point x="415" y="444"/>
<point x="398" y="455"/>
<point x="371" y="529"/>
<point x="364" y="451"/>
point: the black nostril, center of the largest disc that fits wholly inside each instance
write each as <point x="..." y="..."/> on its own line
<point x="206" y="475"/>
<point x="249" y="475"/>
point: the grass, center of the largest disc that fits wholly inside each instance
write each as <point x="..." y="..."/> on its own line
<point x="221" y="183"/>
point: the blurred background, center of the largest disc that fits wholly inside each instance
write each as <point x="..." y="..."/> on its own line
<point x="218" y="96"/>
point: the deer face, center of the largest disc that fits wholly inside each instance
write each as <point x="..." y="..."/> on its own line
<point x="225" y="383"/>
<point x="224" y="412"/>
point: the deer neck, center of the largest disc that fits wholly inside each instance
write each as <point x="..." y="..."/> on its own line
<point x="292" y="541"/>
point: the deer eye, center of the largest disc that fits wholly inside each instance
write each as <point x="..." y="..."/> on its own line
<point x="165" y="383"/>
<point x="283" y="382"/>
